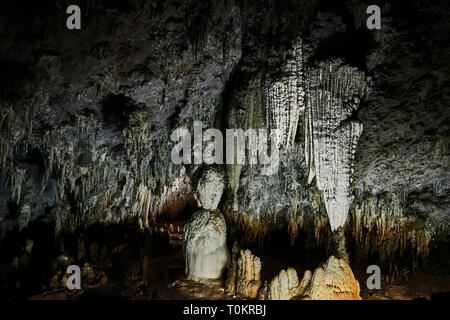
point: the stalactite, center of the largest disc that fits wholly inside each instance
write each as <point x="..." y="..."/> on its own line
<point x="379" y="225"/>
<point x="136" y="133"/>
<point x="253" y="227"/>
<point x="171" y="200"/>
<point x="17" y="177"/>
<point x="333" y="94"/>
<point x="285" y="97"/>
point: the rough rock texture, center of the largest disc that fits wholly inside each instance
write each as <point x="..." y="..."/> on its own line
<point x="284" y="286"/>
<point x="86" y="116"/>
<point x="285" y="96"/>
<point x="249" y="275"/>
<point x="204" y="244"/>
<point x="339" y="245"/>
<point x="210" y="188"/>
<point x="334" y="94"/>
<point x="304" y="283"/>
<point x="333" y="281"/>
<point x="232" y="274"/>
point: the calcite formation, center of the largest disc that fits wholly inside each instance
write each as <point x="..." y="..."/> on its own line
<point x="334" y="91"/>
<point x="170" y="200"/>
<point x="333" y="281"/>
<point x="231" y="281"/>
<point x="204" y="245"/>
<point x="249" y="275"/>
<point x="210" y="188"/>
<point x="285" y="94"/>
<point x="285" y="285"/>
<point x="85" y="122"/>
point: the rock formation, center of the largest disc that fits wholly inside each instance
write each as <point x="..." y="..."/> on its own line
<point x="333" y="281"/>
<point x="249" y="275"/>
<point x="86" y="118"/>
<point x="204" y="244"/>
<point x="284" y="286"/>
<point x="205" y="234"/>
<point x="285" y="94"/>
<point x="231" y="281"/>
<point x="334" y="92"/>
<point x="210" y="188"/>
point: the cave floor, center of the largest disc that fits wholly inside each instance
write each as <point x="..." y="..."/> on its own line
<point x="423" y="285"/>
<point x="164" y="280"/>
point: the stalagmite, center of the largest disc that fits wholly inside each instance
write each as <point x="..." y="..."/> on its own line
<point x="204" y="244"/>
<point x="249" y="274"/>
<point x="230" y="283"/>
<point x="205" y="234"/>
<point x="284" y="286"/>
<point x="334" y="91"/>
<point x="333" y="281"/>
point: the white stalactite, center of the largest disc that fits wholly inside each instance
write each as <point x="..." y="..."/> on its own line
<point x="333" y="94"/>
<point x="285" y="97"/>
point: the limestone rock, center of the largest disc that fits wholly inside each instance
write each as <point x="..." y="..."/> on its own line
<point x="204" y="244"/>
<point x="249" y="277"/>
<point x="304" y="284"/>
<point x="285" y="97"/>
<point x="284" y="286"/>
<point x="210" y="188"/>
<point x="331" y="135"/>
<point x="230" y="284"/>
<point x="333" y="281"/>
<point x="264" y="292"/>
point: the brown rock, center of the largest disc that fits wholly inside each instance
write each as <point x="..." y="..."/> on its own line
<point x="230" y="284"/>
<point x="333" y="281"/>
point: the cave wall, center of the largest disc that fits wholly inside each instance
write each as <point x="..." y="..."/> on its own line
<point x="87" y="116"/>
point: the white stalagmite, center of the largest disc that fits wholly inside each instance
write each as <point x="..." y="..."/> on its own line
<point x="204" y="245"/>
<point x="334" y="91"/>
<point x="285" y="285"/>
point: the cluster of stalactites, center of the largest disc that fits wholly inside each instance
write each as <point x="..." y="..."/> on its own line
<point x="171" y="200"/>
<point x="333" y="94"/>
<point x="285" y="97"/>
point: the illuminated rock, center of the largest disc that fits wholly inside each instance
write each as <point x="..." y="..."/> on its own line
<point x="204" y="244"/>
<point x="333" y="281"/>
<point x="331" y="135"/>
<point x="285" y="285"/>
<point x="210" y="188"/>
<point x="285" y="95"/>
<point x="249" y="275"/>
